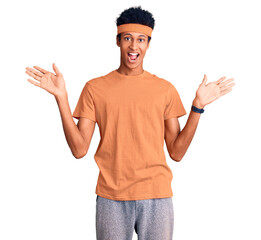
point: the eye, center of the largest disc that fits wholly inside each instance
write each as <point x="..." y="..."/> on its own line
<point x="142" y="39"/>
<point x="126" y="38"/>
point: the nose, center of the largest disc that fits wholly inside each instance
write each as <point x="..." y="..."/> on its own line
<point x="133" y="45"/>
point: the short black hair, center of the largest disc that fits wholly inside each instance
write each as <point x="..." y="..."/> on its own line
<point x="136" y="15"/>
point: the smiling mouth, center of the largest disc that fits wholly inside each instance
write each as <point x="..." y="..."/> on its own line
<point x="133" y="57"/>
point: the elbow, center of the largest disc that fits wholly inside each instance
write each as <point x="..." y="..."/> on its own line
<point x="177" y="153"/>
<point x="79" y="155"/>
<point x="176" y="157"/>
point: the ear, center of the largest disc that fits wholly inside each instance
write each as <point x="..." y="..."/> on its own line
<point x="117" y="42"/>
<point x="148" y="44"/>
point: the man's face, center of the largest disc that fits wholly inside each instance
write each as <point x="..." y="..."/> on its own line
<point x="133" y="47"/>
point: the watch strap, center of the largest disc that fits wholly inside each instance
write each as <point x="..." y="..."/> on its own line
<point x="197" y="110"/>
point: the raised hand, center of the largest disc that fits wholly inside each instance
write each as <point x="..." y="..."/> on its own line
<point x="52" y="83"/>
<point x="208" y="93"/>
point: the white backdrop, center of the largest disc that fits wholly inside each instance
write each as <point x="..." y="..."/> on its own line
<point x="45" y="193"/>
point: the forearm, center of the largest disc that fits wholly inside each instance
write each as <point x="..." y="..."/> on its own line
<point x="71" y="131"/>
<point x="183" y="140"/>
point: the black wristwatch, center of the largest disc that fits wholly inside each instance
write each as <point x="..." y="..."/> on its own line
<point x="197" y="110"/>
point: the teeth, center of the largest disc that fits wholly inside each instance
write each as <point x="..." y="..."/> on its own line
<point x="133" y="53"/>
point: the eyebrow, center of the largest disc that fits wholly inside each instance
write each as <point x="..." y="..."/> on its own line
<point x="131" y="35"/>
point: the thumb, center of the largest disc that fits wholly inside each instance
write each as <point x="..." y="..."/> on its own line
<point x="204" y="79"/>
<point x="56" y="70"/>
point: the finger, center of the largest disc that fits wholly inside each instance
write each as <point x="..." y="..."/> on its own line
<point x="227" y="86"/>
<point x="33" y="82"/>
<point x="35" y="72"/>
<point x="225" y="91"/>
<point x="33" y="75"/>
<point x="56" y="70"/>
<point x="220" y="80"/>
<point x="40" y="69"/>
<point x="204" y="80"/>
<point x="226" y="82"/>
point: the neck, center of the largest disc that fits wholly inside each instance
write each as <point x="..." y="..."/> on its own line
<point x="130" y="71"/>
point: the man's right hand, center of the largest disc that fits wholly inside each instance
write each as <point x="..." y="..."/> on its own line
<point x="52" y="83"/>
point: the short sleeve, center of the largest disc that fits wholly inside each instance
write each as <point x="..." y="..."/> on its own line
<point x="85" y="106"/>
<point x="174" y="106"/>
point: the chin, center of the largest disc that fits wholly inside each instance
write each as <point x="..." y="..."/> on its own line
<point x="132" y="66"/>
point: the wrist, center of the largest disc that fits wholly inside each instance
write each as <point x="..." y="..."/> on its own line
<point x="61" y="96"/>
<point x="197" y="103"/>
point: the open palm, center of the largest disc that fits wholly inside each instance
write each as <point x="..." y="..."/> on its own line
<point x="208" y="93"/>
<point x="52" y="83"/>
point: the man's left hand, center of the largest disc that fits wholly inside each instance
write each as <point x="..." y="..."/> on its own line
<point x="208" y="93"/>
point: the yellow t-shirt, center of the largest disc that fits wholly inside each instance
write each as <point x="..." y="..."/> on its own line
<point x="130" y="112"/>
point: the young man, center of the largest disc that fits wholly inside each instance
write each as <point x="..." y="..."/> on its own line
<point x="135" y="111"/>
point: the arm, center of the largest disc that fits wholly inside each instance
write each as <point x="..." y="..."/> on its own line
<point x="178" y="141"/>
<point x="78" y="137"/>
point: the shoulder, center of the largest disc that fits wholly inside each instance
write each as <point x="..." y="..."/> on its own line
<point x="162" y="81"/>
<point x="97" y="81"/>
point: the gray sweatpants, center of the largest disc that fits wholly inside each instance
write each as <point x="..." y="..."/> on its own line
<point x="152" y="219"/>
